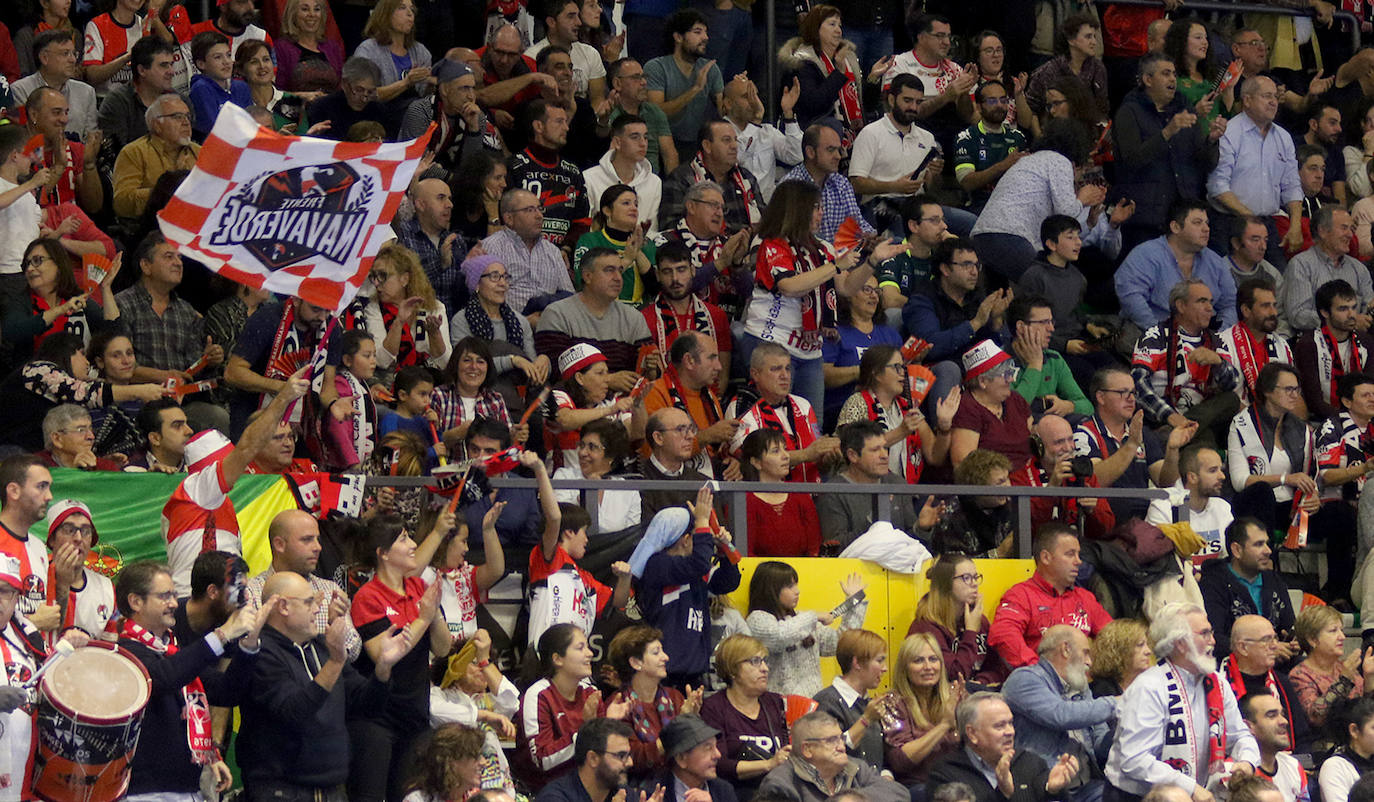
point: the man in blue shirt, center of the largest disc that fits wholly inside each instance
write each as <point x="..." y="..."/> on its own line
<point x="1257" y="168"/>
<point x="686" y="85"/>
<point x="1153" y="268"/>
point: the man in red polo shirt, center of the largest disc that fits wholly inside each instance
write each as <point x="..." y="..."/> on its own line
<point x="1049" y="597"/>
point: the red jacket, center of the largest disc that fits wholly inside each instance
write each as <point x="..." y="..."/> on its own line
<point x="1031" y="607"/>
<point x="1099" y="523"/>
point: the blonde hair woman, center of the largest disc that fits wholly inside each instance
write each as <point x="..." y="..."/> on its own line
<point x="1120" y="652"/>
<point x="918" y="713"/>
<point x="752" y="719"/>
<point x="307" y="59"/>
<point x="408" y="323"/>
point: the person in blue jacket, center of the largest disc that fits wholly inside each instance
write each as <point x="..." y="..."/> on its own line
<point x="676" y="571"/>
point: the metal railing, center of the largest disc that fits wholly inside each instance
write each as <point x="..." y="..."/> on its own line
<point x="1252" y="8"/>
<point x="735" y="493"/>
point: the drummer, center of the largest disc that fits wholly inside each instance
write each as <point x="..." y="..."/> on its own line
<point x="85" y="597"/>
<point x="21" y="647"/>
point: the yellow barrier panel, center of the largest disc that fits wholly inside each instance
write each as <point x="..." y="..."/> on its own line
<point x="892" y="596"/>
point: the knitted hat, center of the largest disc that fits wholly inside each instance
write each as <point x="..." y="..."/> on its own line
<point x="474" y="266"/>
<point x="446" y="70"/>
<point x="62" y="509"/>
<point x="206" y="448"/>
<point x="982" y="358"/>
<point x="578" y="358"/>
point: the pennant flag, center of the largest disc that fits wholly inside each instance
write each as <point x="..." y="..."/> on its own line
<point x="299" y="216"/>
<point x="128" y="509"/>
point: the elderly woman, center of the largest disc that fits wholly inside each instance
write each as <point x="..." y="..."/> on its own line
<point x="403" y="315"/>
<point x="57" y="374"/>
<point x="640" y="662"/>
<point x="1328" y="677"/>
<point x="307" y="59"/>
<point x="1271" y="450"/>
<point x="991" y="414"/>
<point x="752" y="719"/>
<point x="602" y="451"/>
<point x="951" y="612"/>
<point x="918" y="713"/>
<point x="881" y="395"/>
<point x="1120" y="652"/>
<point x="391" y="45"/>
<point x="54" y="302"/>
<point x="489" y="317"/>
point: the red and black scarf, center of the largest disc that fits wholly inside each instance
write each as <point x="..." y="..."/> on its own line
<point x="1271" y="683"/>
<point x="668" y="323"/>
<point x="1181" y="755"/>
<point x="1252" y="354"/>
<point x="197" y="707"/>
<point x="847" y="106"/>
<point x="406" y="354"/>
<point x="736" y="177"/>
<point x="1338" y="369"/>
<point x="797" y="437"/>
<point x="914" y="462"/>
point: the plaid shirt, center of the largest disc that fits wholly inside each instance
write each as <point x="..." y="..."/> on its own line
<point x="837" y="202"/>
<point x="449" y="285"/>
<point x="533" y="271"/>
<point x="173" y="341"/>
<point x="325" y="588"/>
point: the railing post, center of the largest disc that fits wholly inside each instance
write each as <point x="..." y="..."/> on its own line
<point x="739" y="521"/>
<point x="1023" y="527"/>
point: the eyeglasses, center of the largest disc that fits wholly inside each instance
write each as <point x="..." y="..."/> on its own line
<point x="379" y="276"/>
<point x="165" y="596"/>
<point x="868" y="290"/>
<point x="1290" y="389"/>
<point x="992" y="51"/>
<point x="897" y="366"/>
<point x="72" y="529"/>
<point x="757" y="661"/>
<point x="1049" y="321"/>
<point x="1267" y="640"/>
<point x="179" y="116"/>
<point x="497" y="277"/>
<point x="77" y="430"/>
<point x="634" y="76"/>
<point x="717" y="205"/>
<point x="1251" y="43"/>
<point x="621" y="756"/>
<point x="302" y="599"/>
<point x="36" y="260"/>
<point x="1123" y="393"/>
<point x="590" y="446"/>
<point x="967" y="265"/>
<point x="685" y="430"/>
<point x="526" y="209"/>
<point x="830" y="740"/>
<point x="969" y="579"/>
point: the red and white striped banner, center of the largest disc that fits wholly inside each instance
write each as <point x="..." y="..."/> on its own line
<point x="295" y="215"/>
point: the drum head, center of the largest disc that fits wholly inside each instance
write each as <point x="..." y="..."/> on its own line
<point x="98" y="683"/>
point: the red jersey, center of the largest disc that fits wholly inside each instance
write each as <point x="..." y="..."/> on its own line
<point x="540" y="570"/>
<point x="376" y="601"/>
<point x="548" y="723"/>
<point x="1031" y="607"/>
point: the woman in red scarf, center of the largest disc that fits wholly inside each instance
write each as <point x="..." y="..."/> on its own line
<point x="826" y="70"/>
<point x="409" y="324"/>
<point x="882" y="396"/>
<point x="55" y="302"/>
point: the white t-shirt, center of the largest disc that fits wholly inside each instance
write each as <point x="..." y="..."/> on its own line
<point x="586" y="64"/>
<point x="95" y="603"/>
<point x="1210" y="524"/>
<point x="458" y="598"/>
<point x="19" y="223"/>
<point x="616" y="510"/>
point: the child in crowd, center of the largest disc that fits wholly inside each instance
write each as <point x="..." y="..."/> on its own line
<point x="349" y="442"/>
<point x="214" y="84"/>
<point x="796" y="641"/>
<point x="413" y="388"/>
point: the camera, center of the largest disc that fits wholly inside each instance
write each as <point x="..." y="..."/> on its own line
<point x="1081" y="467"/>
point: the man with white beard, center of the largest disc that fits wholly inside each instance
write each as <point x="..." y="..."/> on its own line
<point x="1179" y="720"/>
<point x="1055" y="712"/>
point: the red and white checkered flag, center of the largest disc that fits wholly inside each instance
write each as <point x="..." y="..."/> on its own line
<point x="295" y="215"/>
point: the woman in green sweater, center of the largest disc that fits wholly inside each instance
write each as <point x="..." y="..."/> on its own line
<point x="618" y="228"/>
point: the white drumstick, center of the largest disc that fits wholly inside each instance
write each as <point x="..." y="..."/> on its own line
<point x="61" y="651"/>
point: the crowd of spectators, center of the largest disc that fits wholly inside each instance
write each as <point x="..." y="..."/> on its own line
<point x="1041" y="243"/>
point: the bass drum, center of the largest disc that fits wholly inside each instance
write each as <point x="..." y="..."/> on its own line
<point x="90" y="710"/>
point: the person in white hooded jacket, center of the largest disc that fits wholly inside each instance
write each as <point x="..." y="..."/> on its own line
<point x="627" y="163"/>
